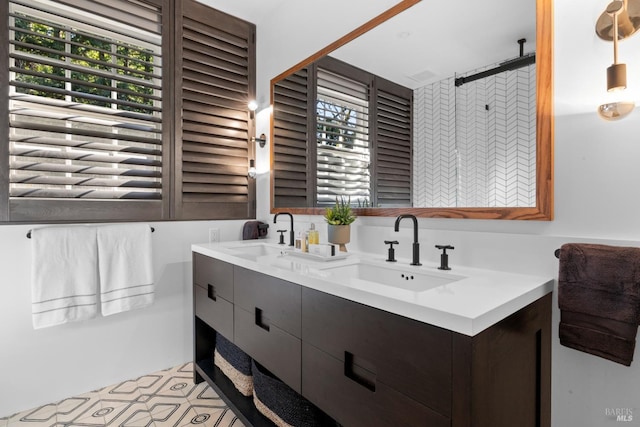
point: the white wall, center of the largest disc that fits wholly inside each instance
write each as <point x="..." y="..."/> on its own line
<point x="46" y="365"/>
<point x="597" y="198"/>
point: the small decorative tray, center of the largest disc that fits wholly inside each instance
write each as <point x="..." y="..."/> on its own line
<point x="318" y="257"/>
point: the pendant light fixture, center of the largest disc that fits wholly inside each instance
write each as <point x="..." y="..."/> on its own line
<point x="617" y="72"/>
<point x="628" y="22"/>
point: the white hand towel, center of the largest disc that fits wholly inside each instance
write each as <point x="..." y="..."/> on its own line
<point x="64" y="279"/>
<point x="125" y="267"/>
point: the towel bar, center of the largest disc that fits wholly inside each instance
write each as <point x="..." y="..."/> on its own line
<point x="29" y="233"/>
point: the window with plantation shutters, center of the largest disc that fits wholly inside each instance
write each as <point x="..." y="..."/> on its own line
<point x="342" y="134"/>
<point x="218" y="80"/>
<point x="85" y="105"/>
<point x="340" y="131"/>
<point x="124" y="110"/>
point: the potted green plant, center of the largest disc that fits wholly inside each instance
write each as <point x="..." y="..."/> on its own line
<point x="339" y="219"/>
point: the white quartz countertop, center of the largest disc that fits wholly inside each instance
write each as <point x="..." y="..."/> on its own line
<point x="475" y="300"/>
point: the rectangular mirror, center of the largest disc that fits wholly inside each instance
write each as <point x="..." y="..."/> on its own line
<point x="423" y="111"/>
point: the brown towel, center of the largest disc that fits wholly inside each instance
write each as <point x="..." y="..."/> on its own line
<point x="254" y="230"/>
<point x="599" y="299"/>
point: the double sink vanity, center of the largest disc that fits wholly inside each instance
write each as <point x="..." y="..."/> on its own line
<point x="374" y="343"/>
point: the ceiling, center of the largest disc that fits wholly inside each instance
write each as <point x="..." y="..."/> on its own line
<point x="249" y="10"/>
<point x="582" y="55"/>
<point x="429" y="42"/>
<point x="443" y="41"/>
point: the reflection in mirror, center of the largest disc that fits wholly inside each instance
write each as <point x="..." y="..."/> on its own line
<point x="478" y="123"/>
<point x="353" y="126"/>
<point x="475" y="142"/>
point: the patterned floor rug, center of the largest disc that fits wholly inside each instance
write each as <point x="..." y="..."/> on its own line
<point x="166" y="398"/>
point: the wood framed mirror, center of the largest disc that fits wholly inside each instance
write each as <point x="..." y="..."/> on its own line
<point x="540" y="206"/>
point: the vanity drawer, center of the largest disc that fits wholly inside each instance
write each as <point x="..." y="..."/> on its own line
<point x="210" y="272"/>
<point x="278" y="300"/>
<point x="274" y="348"/>
<point x="411" y="357"/>
<point x="353" y="402"/>
<point x="217" y="313"/>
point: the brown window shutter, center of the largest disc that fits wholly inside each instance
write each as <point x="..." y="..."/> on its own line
<point x="291" y="152"/>
<point x="216" y="65"/>
<point x="393" y="150"/>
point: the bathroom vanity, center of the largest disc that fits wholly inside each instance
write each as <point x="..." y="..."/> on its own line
<point x="374" y="344"/>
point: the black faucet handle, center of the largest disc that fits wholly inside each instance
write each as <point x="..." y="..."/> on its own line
<point x="392" y="252"/>
<point x="444" y="257"/>
<point x="281" y="242"/>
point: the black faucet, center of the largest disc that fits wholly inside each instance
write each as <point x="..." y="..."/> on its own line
<point x="416" y="245"/>
<point x="291" y="235"/>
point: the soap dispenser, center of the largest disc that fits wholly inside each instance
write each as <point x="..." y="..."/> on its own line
<point x="314" y="235"/>
<point x="298" y="244"/>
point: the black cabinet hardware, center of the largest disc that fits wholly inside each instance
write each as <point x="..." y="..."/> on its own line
<point x="363" y="376"/>
<point x="211" y="292"/>
<point x="261" y="320"/>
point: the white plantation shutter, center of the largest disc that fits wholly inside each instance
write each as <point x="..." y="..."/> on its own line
<point x="342" y="130"/>
<point x="85" y="103"/>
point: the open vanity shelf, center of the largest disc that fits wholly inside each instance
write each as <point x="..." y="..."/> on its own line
<point x="205" y="370"/>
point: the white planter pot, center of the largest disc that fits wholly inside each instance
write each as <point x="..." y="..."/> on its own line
<point x="339" y="235"/>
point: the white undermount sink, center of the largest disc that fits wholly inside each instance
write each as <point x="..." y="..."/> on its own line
<point x="389" y="278"/>
<point x="393" y="280"/>
<point x="253" y="251"/>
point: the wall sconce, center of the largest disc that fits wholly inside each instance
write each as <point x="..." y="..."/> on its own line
<point x="616" y="110"/>
<point x="628" y="22"/>
<point x="252" y="169"/>
<point x="262" y="140"/>
<point x="252" y="106"/>
<point x="615" y="23"/>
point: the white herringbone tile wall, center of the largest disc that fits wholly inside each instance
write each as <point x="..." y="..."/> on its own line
<point x="475" y="145"/>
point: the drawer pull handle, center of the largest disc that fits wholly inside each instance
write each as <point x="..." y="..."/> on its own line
<point x="211" y="292"/>
<point x="364" y="376"/>
<point x="261" y="320"/>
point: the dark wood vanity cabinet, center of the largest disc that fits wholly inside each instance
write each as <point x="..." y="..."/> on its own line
<point x="327" y="385"/>
<point x="407" y="373"/>
<point x="384" y="360"/>
<point x="368" y="367"/>
<point x="267" y="323"/>
<point x="502" y="376"/>
<point x="213" y="293"/>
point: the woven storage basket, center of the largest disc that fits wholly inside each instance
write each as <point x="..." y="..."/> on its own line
<point x="281" y="404"/>
<point x="234" y="363"/>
